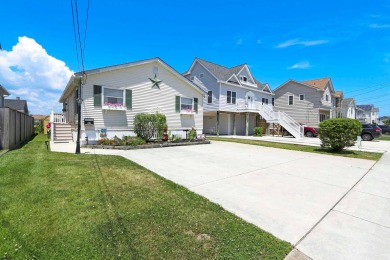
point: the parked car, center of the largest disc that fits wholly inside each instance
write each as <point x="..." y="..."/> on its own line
<point x="309" y="131"/>
<point x="385" y="129"/>
<point x="369" y="132"/>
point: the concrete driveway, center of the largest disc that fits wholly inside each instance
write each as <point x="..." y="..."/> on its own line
<point x="309" y="200"/>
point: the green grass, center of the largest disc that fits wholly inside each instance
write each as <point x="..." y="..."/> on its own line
<point x="67" y="206"/>
<point x="302" y="148"/>
<point x="383" y="138"/>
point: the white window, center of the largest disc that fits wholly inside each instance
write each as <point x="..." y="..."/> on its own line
<point x="322" y="117"/>
<point x="243" y="78"/>
<point x="264" y="100"/>
<point x="186" y="104"/>
<point x="291" y="100"/>
<point x="327" y="98"/>
<point x="301" y="97"/>
<point x="113" y="97"/>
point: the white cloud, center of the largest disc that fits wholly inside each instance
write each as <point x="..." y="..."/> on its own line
<point x="293" y="42"/>
<point x="29" y="72"/>
<point x="301" y="65"/>
<point x="240" y="42"/>
<point x="379" y="26"/>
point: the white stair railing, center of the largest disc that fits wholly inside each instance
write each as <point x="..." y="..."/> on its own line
<point x="268" y="113"/>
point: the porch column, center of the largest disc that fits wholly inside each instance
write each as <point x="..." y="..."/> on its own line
<point x="234" y="125"/>
<point x="247" y="123"/>
<point x="217" y="123"/>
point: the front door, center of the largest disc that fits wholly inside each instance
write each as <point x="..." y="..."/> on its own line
<point x="250" y="100"/>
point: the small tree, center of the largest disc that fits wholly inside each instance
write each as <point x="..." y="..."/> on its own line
<point x="338" y="133"/>
<point x="148" y="125"/>
<point x="387" y="121"/>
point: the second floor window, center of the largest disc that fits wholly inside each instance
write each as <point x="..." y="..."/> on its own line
<point x="327" y="98"/>
<point x="231" y="97"/>
<point x="264" y="100"/>
<point x="209" y="97"/>
<point x="291" y="100"/>
<point x="301" y="97"/>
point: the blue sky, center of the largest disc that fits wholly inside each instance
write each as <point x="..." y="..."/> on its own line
<point x="348" y="41"/>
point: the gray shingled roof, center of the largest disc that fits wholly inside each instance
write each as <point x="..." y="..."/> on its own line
<point x="366" y="107"/>
<point x="16" y="104"/>
<point x="346" y="101"/>
<point x="221" y="72"/>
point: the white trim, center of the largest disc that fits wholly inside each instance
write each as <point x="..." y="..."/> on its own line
<point x="249" y="73"/>
<point x="267" y="86"/>
<point x="248" y="88"/>
<point x="234" y="75"/>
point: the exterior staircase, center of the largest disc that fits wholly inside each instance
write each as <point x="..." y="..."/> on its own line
<point x="62" y="133"/>
<point x="278" y="117"/>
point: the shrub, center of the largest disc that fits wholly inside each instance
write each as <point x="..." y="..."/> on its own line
<point x="103" y="141"/>
<point x="147" y="125"/>
<point x="387" y="121"/>
<point x="258" y="131"/>
<point x="338" y="133"/>
<point x="133" y="140"/>
<point x="192" y="134"/>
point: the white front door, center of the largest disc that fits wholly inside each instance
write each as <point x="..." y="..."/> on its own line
<point x="250" y="100"/>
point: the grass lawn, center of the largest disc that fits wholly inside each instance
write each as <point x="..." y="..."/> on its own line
<point x="302" y="148"/>
<point x="383" y="138"/>
<point x="67" y="206"/>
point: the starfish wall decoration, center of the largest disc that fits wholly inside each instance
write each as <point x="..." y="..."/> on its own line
<point x="155" y="82"/>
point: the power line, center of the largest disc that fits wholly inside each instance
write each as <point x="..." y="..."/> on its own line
<point x="386" y="86"/>
<point x="74" y="33"/>
<point x="365" y="88"/>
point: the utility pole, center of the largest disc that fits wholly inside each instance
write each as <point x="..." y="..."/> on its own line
<point x="78" y="119"/>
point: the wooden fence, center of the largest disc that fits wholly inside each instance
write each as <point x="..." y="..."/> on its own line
<point x="15" y="128"/>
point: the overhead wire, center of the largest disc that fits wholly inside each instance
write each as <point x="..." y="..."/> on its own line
<point x="75" y="35"/>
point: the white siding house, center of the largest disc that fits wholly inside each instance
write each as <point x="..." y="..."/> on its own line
<point x="234" y="97"/>
<point x="112" y="96"/>
<point x="368" y="114"/>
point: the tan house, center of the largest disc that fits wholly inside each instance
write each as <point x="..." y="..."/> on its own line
<point x="308" y="102"/>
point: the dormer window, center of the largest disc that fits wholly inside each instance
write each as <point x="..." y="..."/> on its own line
<point x="243" y="78"/>
<point x="327" y="97"/>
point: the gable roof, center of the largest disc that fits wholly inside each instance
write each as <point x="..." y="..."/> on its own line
<point x="338" y="94"/>
<point x="75" y="79"/>
<point x="3" y="91"/>
<point x="347" y="101"/>
<point x="297" y="82"/>
<point x="16" y="104"/>
<point x="319" y="83"/>
<point x="223" y="73"/>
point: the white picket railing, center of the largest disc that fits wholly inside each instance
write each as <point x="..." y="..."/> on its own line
<point x="57" y="118"/>
<point x="267" y="112"/>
